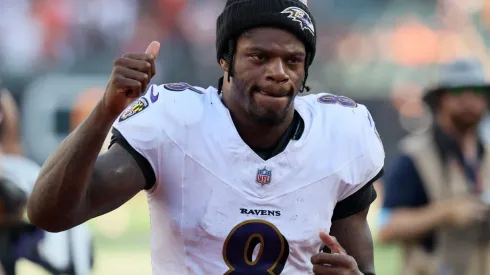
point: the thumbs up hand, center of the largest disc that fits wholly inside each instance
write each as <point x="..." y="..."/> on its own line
<point x="130" y="76"/>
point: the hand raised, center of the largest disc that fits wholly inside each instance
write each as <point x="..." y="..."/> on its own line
<point x="130" y="76"/>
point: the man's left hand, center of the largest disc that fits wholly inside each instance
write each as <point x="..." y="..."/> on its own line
<point x="335" y="263"/>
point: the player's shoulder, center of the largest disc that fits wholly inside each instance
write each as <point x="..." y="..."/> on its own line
<point x="174" y="93"/>
<point x="337" y="108"/>
<point x="166" y="99"/>
<point x="346" y="130"/>
<point x="182" y="88"/>
<point x="341" y="120"/>
<point x="350" y="127"/>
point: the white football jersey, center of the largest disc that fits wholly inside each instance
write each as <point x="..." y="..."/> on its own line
<point x="218" y="208"/>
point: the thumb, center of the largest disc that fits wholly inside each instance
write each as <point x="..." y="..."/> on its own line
<point x="332" y="243"/>
<point x="153" y="49"/>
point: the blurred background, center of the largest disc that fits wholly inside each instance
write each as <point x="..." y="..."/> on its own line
<point x="56" y="56"/>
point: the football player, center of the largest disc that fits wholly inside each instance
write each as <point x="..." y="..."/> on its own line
<point x="245" y="178"/>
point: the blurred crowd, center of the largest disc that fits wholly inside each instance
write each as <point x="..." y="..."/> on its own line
<point x="371" y="39"/>
<point x="40" y="36"/>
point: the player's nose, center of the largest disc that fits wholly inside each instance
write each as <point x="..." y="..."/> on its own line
<point x="275" y="71"/>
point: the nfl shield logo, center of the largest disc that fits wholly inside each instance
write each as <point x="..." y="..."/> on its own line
<point x="264" y="176"/>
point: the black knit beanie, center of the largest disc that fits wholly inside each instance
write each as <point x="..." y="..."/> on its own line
<point x="241" y="15"/>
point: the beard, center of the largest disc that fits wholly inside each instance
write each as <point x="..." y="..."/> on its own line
<point x="260" y="112"/>
<point x="465" y="122"/>
<point x="268" y="116"/>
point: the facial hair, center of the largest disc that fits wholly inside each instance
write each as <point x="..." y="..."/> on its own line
<point x="258" y="114"/>
<point x="463" y="124"/>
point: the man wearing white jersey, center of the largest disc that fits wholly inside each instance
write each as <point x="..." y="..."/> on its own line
<point x="243" y="179"/>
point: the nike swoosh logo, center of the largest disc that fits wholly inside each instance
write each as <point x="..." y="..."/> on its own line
<point x="153" y="97"/>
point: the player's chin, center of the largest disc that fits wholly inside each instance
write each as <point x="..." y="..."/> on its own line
<point x="268" y="116"/>
<point x="270" y="120"/>
<point x="267" y="102"/>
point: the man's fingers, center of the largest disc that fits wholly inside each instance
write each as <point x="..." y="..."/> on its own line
<point x="142" y="57"/>
<point x="132" y="74"/>
<point x="139" y="56"/>
<point x="135" y="64"/>
<point x="149" y="56"/>
<point x="326" y="270"/>
<point x="332" y="243"/>
<point x="335" y="260"/>
<point x="153" y="49"/>
<point x="131" y="87"/>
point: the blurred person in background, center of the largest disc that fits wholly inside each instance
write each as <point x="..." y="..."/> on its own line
<point x="70" y="252"/>
<point x="230" y="168"/>
<point x="10" y="140"/>
<point x="434" y="192"/>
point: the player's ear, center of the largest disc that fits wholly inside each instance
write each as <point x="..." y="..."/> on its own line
<point x="224" y="65"/>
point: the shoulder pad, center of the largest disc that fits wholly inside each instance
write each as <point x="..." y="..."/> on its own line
<point x="343" y="101"/>
<point x="181" y="86"/>
<point x="153" y="95"/>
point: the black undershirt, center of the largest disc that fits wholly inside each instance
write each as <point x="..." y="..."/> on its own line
<point x="353" y="204"/>
<point x="293" y="132"/>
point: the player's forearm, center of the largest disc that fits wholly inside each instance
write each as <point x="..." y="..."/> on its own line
<point x="60" y="190"/>
<point x="409" y="224"/>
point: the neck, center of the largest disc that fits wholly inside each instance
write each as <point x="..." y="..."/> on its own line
<point x="260" y="136"/>
<point x="253" y="134"/>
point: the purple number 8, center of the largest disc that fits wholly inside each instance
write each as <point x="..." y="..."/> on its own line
<point x="334" y="99"/>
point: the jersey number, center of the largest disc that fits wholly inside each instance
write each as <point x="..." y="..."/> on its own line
<point x="241" y="243"/>
<point x="335" y="99"/>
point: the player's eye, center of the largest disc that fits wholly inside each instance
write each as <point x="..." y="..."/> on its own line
<point x="258" y="56"/>
<point x="294" y="60"/>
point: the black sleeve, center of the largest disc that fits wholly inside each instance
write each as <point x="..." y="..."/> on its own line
<point x="143" y="163"/>
<point x="358" y="201"/>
